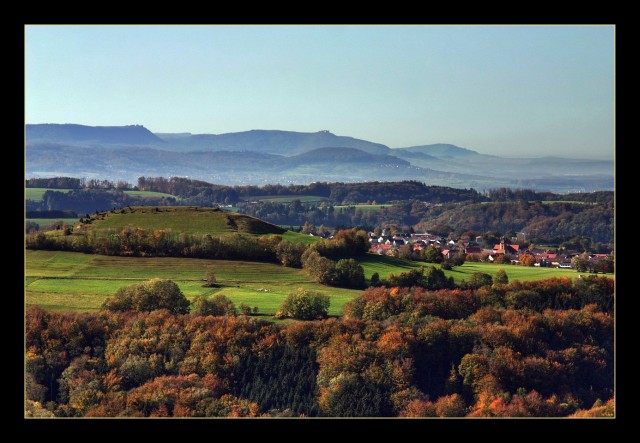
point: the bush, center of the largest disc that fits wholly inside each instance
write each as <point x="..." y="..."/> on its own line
<point x="375" y="279"/>
<point x="210" y="280"/>
<point x="304" y="305"/>
<point x="501" y="277"/>
<point x="148" y="296"/>
<point x="245" y="309"/>
<point x="479" y="279"/>
<point x="349" y="273"/>
<point x="218" y="305"/>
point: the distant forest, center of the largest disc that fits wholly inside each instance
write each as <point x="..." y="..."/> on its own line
<point x="544" y="217"/>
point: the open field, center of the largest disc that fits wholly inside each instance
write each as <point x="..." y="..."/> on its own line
<point x="72" y="281"/>
<point x="385" y="266"/>
<point x="285" y="198"/>
<point x="364" y="208"/>
<point x="42" y="222"/>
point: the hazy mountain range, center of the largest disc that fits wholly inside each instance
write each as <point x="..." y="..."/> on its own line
<point x="261" y="156"/>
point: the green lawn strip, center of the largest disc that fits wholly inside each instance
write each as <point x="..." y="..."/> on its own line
<point x="514" y="272"/>
<point x="385" y="266"/>
<point x="42" y="222"/>
<point x="36" y="194"/>
<point x="150" y="194"/>
<point x="55" y="263"/>
<point x="285" y="198"/>
<point x="296" y="237"/>
<point x="364" y="208"/>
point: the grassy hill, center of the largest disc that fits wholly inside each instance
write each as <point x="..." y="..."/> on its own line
<point x="187" y="219"/>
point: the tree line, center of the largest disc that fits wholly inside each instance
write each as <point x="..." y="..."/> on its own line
<point x="347" y="193"/>
<point x="542" y="223"/>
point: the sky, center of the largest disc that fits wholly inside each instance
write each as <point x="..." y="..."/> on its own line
<point x="518" y="91"/>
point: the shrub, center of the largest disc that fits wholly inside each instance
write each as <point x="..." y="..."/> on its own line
<point x="304" y="305"/>
<point x="218" y="305"/>
<point x="148" y="296"/>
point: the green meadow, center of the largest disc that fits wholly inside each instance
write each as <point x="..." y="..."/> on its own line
<point x="70" y="281"/>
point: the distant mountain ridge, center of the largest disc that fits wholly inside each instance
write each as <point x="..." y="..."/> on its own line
<point x="72" y="133"/>
<point x="274" y="142"/>
<point x="274" y="156"/>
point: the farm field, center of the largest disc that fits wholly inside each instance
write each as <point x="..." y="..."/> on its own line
<point x="36" y="194"/>
<point x="71" y="281"/>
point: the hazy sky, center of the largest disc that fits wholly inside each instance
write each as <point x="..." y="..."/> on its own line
<point x="507" y="90"/>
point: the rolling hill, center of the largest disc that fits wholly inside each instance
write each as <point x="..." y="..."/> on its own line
<point x="187" y="219"/>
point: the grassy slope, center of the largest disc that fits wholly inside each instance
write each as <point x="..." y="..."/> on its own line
<point x="81" y="282"/>
<point x="188" y="219"/>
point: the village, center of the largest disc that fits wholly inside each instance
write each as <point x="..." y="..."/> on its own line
<point x="505" y="252"/>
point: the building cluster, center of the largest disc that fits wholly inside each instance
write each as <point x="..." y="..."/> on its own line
<point x="386" y="244"/>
